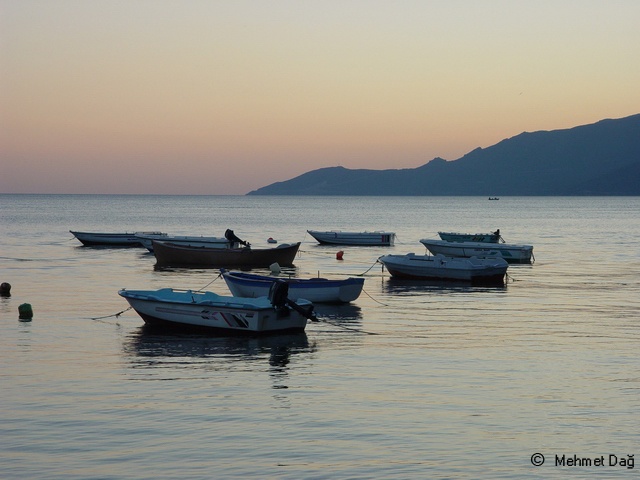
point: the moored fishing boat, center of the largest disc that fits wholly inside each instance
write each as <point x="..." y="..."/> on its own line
<point x="186" y="240"/>
<point x="338" y="237"/>
<point x="317" y="290"/>
<point x="197" y="310"/>
<point x="512" y="253"/>
<point x="94" y="239"/>
<point x="439" y="267"/>
<point x="493" y="237"/>
<point x="172" y="255"/>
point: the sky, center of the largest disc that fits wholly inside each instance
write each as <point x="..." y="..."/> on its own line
<point x="213" y="97"/>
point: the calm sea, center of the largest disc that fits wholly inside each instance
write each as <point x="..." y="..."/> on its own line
<point x="411" y="381"/>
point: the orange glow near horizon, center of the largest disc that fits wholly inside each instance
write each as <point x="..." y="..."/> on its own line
<point x="223" y="98"/>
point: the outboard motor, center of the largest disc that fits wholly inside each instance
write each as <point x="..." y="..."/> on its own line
<point x="278" y="295"/>
<point x="229" y="235"/>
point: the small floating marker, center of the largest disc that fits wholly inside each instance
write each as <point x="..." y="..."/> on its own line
<point x="25" y="312"/>
<point x="339" y="255"/>
<point x="275" y="268"/>
<point x="5" y="289"/>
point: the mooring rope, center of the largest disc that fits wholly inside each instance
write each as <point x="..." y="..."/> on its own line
<point x="367" y="270"/>
<point x="317" y="254"/>
<point x="330" y="254"/>
<point x="112" y="315"/>
<point x="377" y="301"/>
<point x="320" y="320"/>
<point x="216" y="278"/>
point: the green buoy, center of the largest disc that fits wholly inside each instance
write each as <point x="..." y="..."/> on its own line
<point x="25" y="312"/>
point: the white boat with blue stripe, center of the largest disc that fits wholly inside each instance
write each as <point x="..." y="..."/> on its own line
<point x="317" y="290"/>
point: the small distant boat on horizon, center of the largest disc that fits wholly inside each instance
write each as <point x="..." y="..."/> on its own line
<point x="494" y="198"/>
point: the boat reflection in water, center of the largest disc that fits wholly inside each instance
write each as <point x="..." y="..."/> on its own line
<point x="346" y="318"/>
<point x="151" y="348"/>
<point x="401" y="286"/>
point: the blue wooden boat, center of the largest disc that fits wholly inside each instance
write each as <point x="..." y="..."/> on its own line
<point x="317" y="290"/>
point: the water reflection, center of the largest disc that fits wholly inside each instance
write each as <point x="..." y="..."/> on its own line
<point x="347" y="314"/>
<point x="401" y="286"/>
<point x="5" y="304"/>
<point x="149" y="346"/>
<point x="104" y="247"/>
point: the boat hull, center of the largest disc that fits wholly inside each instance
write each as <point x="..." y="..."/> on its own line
<point x="186" y="241"/>
<point x="426" y="267"/>
<point x="94" y="239"/>
<point x="172" y="255"/>
<point x="207" y="311"/>
<point x="336" y="237"/>
<point x="510" y="252"/>
<point x="316" y="290"/>
<point x="470" y="237"/>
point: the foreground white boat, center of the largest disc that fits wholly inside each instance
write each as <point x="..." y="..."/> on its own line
<point x="317" y="290"/>
<point x="338" y="237"/>
<point x="510" y="252"/>
<point x="439" y="267"/>
<point x="92" y="239"/>
<point x="196" y="310"/>
<point x="186" y="241"/>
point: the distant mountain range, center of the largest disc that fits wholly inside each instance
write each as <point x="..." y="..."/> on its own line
<point x="597" y="159"/>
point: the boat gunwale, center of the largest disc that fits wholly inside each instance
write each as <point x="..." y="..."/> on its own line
<point x="249" y="278"/>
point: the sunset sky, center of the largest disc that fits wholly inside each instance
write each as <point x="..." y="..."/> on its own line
<point x="223" y="97"/>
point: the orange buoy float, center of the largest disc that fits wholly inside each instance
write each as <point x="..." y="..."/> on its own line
<point x="339" y="255"/>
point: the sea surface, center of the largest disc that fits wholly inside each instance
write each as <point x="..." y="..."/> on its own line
<point x="413" y="380"/>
